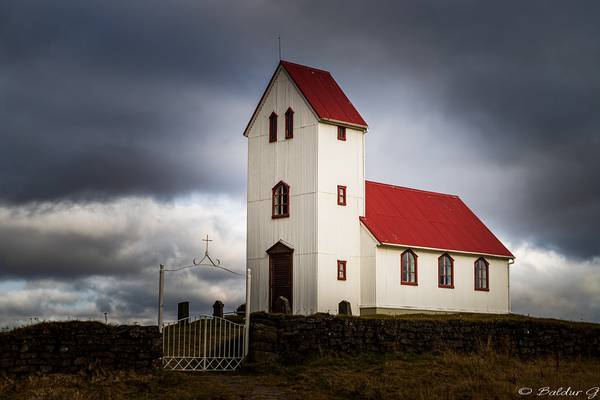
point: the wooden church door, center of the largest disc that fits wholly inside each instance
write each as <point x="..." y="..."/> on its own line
<point x="280" y="274"/>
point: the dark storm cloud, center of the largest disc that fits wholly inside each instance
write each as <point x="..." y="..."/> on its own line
<point x="121" y="239"/>
<point x="523" y="81"/>
<point x="103" y="99"/>
<point x="26" y="252"/>
<point x="518" y="88"/>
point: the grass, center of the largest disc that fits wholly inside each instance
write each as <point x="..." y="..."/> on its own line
<point x="474" y="317"/>
<point x="485" y="375"/>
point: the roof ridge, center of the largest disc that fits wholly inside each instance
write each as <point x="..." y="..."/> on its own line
<point x="283" y="62"/>
<point x="413" y="189"/>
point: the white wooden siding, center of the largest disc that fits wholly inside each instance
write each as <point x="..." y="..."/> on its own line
<point x="367" y="268"/>
<point x="428" y="296"/>
<point x="339" y="163"/>
<point x="295" y="162"/>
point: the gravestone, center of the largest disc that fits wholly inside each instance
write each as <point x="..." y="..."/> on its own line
<point x="241" y="310"/>
<point x="218" y="309"/>
<point x="183" y="310"/>
<point x="282" y="306"/>
<point x="344" y="308"/>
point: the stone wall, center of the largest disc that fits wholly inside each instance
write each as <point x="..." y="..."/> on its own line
<point x="275" y="337"/>
<point x="78" y="346"/>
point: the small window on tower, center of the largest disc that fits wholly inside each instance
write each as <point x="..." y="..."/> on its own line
<point x="341" y="133"/>
<point x="281" y="200"/>
<point x="341" y="270"/>
<point x="341" y="195"/>
<point x="289" y="123"/>
<point x="273" y="127"/>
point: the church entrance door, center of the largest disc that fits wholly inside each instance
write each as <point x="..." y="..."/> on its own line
<point x="280" y="274"/>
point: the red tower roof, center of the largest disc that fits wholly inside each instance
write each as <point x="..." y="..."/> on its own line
<point x="322" y="93"/>
<point x="411" y="217"/>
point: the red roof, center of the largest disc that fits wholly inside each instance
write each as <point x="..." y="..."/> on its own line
<point x="411" y="217"/>
<point x="321" y="91"/>
<point x="323" y="94"/>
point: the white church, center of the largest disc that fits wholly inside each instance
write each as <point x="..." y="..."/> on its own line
<point x="319" y="233"/>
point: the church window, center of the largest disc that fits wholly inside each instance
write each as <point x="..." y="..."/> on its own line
<point x="273" y="127"/>
<point x="482" y="275"/>
<point x="408" y="270"/>
<point x="341" y="132"/>
<point x="281" y="200"/>
<point x="341" y="195"/>
<point x="289" y="123"/>
<point x="446" y="271"/>
<point x="341" y="270"/>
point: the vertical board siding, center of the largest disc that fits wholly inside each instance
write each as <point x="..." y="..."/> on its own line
<point x="294" y="161"/>
<point x="427" y="295"/>
<point x="367" y="268"/>
<point x="339" y="163"/>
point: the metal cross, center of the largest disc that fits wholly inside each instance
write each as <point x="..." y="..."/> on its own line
<point x="206" y="240"/>
<point x="206" y="256"/>
<point x="212" y="262"/>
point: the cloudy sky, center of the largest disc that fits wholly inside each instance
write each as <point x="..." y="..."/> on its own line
<point x="121" y="137"/>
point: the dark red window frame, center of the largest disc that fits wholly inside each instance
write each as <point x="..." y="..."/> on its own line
<point x="341" y="270"/>
<point x="281" y="201"/>
<point x="405" y="282"/>
<point x="289" y="123"/>
<point x="273" y="127"/>
<point x="341" y="195"/>
<point x="341" y="133"/>
<point x="487" y="275"/>
<point x="440" y="265"/>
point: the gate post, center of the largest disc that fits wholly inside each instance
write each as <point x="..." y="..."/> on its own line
<point x="161" y="286"/>
<point x="247" y="327"/>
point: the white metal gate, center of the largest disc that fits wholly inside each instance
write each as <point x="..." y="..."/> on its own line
<point x="204" y="343"/>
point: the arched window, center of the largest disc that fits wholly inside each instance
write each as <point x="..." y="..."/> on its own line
<point x="273" y="127"/>
<point x="408" y="270"/>
<point x="281" y="200"/>
<point x="482" y="281"/>
<point x="289" y="123"/>
<point x="446" y="271"/>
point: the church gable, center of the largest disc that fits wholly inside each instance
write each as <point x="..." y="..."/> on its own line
<point x="280" y="95"/>
<point x="320" y="94"/>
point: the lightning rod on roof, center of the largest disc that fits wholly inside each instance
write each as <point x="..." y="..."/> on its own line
<point x="279" y="42"/>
